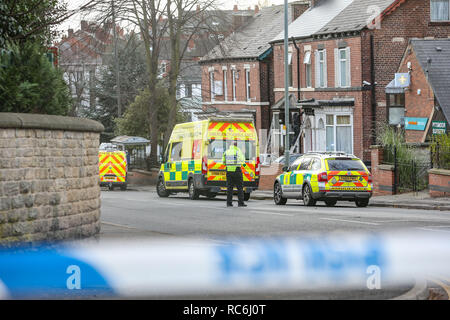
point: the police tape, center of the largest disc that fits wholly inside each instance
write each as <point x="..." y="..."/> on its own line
<point x="181" y="267"/>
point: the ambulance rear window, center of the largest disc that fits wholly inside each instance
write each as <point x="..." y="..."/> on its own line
<point x="216" y="148"/>
<point x="345" y="165"/>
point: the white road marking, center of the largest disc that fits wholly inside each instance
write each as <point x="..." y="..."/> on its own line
<point x="271" y="213"/>
<point x="351" y="221"/>
<point x="433" y="230"/>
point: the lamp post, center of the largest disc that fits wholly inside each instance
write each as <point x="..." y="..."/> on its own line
<point x="286" y="83"/>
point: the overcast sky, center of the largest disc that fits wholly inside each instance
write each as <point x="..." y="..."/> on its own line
<point x="74" y="22"/>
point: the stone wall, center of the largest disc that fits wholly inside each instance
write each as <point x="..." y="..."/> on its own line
<point x="49" y="186"/>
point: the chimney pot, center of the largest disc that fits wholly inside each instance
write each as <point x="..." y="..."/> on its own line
<point x="256" y="9"/>
<point x="235" y="8"/>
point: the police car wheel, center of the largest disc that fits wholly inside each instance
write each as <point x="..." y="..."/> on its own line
<point x="330" y="203"/>
<point x="161" y="189"/>
<point x="307" y="196"/>
<point x="277" y="195"/>
<point x="362" y="203"/>
<point x="193" y="192"/>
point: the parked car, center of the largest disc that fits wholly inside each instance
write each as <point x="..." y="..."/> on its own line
<point x="292" y="158"/>
<point x="329" y="177"/>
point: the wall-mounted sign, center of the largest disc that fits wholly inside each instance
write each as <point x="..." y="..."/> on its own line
<point x="402" y="80"/>
<point x="439" y="127"/>
<point x="418" y="124"/>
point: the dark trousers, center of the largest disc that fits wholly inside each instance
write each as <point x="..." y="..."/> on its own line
<point x="234" y="179"/>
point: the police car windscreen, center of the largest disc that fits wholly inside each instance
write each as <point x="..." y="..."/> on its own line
<point x="345" y="165"/>
<point x="216" y="148"/>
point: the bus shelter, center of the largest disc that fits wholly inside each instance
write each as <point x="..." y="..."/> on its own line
<point x="136" y="149"/>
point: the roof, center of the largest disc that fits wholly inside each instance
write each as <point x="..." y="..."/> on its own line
<point x="355" y="16"/>
<point x="252" y="39"/>
<point x="126" y="140"/>
<point x="438" y="70"/>
<point x="314" y="19"/>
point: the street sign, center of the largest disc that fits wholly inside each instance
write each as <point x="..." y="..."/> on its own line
<point x="439" y="127"/>
<point x="417" y="124"/>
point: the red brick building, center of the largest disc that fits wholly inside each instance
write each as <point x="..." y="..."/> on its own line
<point x="237" y="75"/>
<point x="425" y="96"/>
<point x="349" y="52"/>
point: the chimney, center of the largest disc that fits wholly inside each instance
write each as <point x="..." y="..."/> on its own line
<point x="235" y="8"/>
<point x="84" y="25"/>
<point x="299" y="7"/>
<point x="315" y="3"/>
<point x="256" y="9"/>
<point x="198" y="8"/>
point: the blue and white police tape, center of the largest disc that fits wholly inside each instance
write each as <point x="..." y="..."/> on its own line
<point x="179" y="267"/>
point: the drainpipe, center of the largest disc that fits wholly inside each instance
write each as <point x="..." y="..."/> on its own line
<point x="373" y="89"/>
<point x="298" y="88"/>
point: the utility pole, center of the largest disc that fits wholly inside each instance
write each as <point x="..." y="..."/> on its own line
<point x="116" y="60"/>
<point x="286" y="82"/>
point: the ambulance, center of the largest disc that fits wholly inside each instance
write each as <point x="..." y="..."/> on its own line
<point x="112" y="168"/>
<point x="192" y="161"/>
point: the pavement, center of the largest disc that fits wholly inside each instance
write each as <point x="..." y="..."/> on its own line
<point x="413" y="200"/>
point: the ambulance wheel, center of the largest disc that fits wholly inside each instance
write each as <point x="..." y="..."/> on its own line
<point x="246" y="196"/>
<point x="123" y="187"/>
<point x="330" y="203"/>
<point x="307" y="197"/>
<point x="277" y="195"/>
<point x="193" y="192"/>
<point x="362" y="203"/>
<point x="161" y="189"/>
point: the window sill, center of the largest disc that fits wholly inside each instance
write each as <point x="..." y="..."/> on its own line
<point x="438" y="23"/>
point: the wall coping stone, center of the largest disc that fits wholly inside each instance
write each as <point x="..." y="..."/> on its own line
<point x="386" y="167"/>
<point x="442" y="172"/>
<point x="48" y="122"/>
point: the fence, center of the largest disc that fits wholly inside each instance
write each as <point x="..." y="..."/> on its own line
<point x="440" y="156"/>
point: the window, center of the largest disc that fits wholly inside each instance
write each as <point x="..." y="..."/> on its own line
<point x="305" y="164"/>
<point x="212" y="85"/>
<point x="234" y="84"/>
<point x="295" y="164"/>
<point x="440" y="10"/>
<point x="290" y="76"/>
<point x="175" y="155"/>
<point x="188" y="91"/>
<point x="247" y="84"/>
<point x="345" y="165"/>
<point x="307" y="63"/>
<point x="217" y="147"/>
<point x="339" y="135"/>
<point x="321" y="69"/>
<point x="342" y="67"/>
<point x="396" y="103"/>
<point x="316" y="165"/>
<point x="225" y="85"/>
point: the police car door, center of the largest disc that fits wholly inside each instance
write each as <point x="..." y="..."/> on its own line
<point x="290" y="188"/>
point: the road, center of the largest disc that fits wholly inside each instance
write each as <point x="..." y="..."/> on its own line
<point x="136" y="214"/>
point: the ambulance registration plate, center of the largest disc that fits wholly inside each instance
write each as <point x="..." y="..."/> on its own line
<point x="218" y="173"/>
<point x="110" y="178"/>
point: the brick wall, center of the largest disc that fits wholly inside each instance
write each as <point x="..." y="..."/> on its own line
<point x="383" y="175"/>
<point x="409" y="20"/>
<point x="268" y="176"/>
<point x="49" y="186"/>
<point x="439" y="183"/>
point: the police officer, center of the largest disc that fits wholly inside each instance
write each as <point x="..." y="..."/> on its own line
<point x="233" y="158"/>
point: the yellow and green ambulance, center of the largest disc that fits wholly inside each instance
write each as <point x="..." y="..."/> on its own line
<point x="192" y="161"/>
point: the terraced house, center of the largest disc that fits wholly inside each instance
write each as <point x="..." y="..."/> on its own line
<point x="343" y="55"/>
<point x="237" y="75"/>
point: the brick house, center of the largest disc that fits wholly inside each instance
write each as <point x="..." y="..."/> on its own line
<point x="349" y="52"/>
<point x="237" y="75"/>
<point x="425" y="95"/>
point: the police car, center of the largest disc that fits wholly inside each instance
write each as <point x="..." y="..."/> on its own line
<point x="325" y="176"/>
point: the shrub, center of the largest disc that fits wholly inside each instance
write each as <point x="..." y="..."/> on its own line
<point x="440" y="150"/>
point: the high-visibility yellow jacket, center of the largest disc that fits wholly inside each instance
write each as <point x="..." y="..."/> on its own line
<point x="233" y="158"/>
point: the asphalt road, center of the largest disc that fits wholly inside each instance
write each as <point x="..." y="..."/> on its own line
<point x="137" y="214"/>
